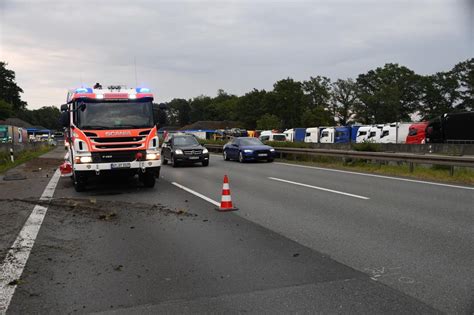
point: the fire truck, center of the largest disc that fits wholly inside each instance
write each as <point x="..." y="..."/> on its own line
<point x="110" y="131"/>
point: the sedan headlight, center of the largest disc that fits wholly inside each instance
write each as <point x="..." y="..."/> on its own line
<point x="178" y="151"/>
<point x="248" y="151"/>
<point x="205" y="151"/>
<point x="272" y="150"/>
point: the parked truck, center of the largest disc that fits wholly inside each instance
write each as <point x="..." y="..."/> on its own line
<point x="272" y="135"/>
<point x="312" y="135"/>
<point x="13" y="133"/>
<point x="110" y="132"/>
<point x="363" y="133"/>
<point x="394" y="133"/>
<point x="327" y="134"/>
<point x="416" y="133"/>
<point x="451" y="128"/>
<point x="295" y="134"/>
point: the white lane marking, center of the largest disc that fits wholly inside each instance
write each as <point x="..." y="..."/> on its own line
<point x="195" y="193"/>
<point x="379" y="176"/>
<point x="12" y="267"/>
<point x="319" y="188"/>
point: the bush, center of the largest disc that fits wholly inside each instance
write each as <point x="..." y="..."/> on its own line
<point x="366" y="146"/>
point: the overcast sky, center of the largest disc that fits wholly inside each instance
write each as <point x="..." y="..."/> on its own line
<point x="188" y="48"/>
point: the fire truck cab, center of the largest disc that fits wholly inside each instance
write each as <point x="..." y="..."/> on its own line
<point x="110" y="131"/>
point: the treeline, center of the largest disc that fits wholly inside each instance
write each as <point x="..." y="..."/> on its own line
<point x="11" y="104"/>
<point x="386" y="94"/>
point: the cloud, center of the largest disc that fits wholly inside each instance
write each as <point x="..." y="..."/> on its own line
<point x="188" y="48"/>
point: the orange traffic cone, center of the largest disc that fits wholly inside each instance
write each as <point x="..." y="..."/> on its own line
<point x="226" y="200"/>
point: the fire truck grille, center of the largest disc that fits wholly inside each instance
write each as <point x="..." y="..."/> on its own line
<point x="118" y="146"/>
<point x="121" y="139"/>
<point x="115" y="156"/>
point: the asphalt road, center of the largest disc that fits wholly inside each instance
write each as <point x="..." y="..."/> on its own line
<point x="303" y="240"/>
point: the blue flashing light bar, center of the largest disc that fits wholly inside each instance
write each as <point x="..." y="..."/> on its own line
<point x="142" y="90"/>
<point x="83" y="90"/>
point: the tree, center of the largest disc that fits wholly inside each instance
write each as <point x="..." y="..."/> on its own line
<point x="250" y="107"/>
<point x="344" y="100"/>
<point x="316" y="117"/>
<point x="289" y="102"/>
<point x="201" y="109"/>
<point x="178" y="112"/>
<point x="438" y="94"/>
<point x="268" y="122"/>
<point x="387" y="94"/>
<point x="223" y="105"/>
<point x="464" y="74"/>
<point x="5" y="110"/>
<point x="319" y="91"/>
<point x="9" y="90"/>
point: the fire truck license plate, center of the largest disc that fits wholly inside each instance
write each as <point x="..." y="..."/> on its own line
<point x="120" y="165"/>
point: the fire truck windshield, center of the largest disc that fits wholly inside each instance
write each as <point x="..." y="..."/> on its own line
<point x="115" y="115"/>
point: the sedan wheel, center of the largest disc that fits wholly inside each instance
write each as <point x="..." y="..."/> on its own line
<point x="241" y="157"/>
<point x="225" y="156"/>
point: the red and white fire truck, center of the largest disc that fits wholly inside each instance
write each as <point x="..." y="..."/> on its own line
<point x="110" y="131"/>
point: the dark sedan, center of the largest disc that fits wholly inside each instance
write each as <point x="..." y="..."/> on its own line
<point x="248" y="149"/>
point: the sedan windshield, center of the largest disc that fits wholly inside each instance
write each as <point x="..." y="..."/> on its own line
<point x="250" y="141"/>
<point x="115" y="115"/>
<point x="185" y="141"/>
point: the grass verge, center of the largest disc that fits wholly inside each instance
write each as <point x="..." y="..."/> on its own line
<point x="433" y="173"/>
<point x="22" y="157"/>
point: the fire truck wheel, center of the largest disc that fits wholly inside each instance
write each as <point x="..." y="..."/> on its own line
<point x="149" y="179"/>
<point x="79" y="183"/>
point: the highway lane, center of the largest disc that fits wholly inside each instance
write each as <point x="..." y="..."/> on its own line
<point x="121" y="248"/>
<point x="414" y="237"/>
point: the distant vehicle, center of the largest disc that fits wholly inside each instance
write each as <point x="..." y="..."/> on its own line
<point x="295" y="134"/>
<point x="312" y="135"/>
<point x="374" y="133"/>
<point x="269" y="135"/>
<point x="451" y="128"/>
<point x="184" y="148"/>
<point x="248" y="149"/>
<point x="354" y="131"/>
<point x="394" y="133"/>
<point x="327" y="135"/>
<point x="342" y="134"/>
<point x="363" y="134"/>
<point x="12" y="133"/>
<point x="416" y="133"/>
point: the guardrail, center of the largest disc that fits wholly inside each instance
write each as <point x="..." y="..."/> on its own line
<point x="463" y="161"/>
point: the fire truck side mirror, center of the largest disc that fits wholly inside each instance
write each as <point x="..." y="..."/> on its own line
<point x="64" y="119"/>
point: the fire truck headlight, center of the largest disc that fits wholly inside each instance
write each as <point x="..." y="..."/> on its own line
<point x="86" y="159"/>
<point x="152" y="156"/>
